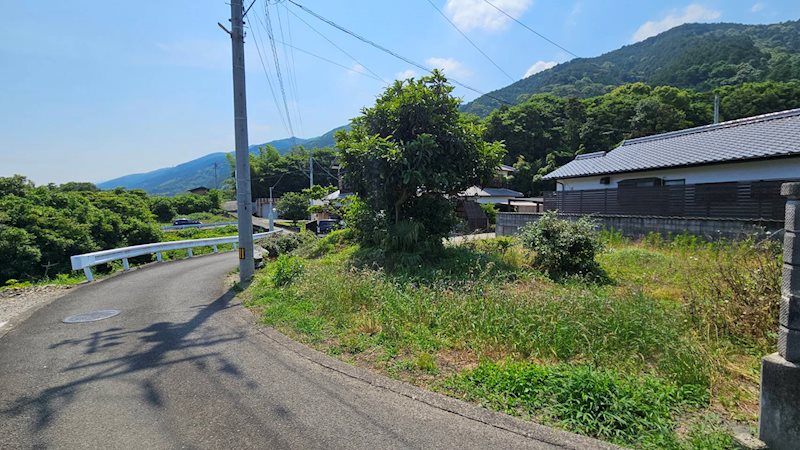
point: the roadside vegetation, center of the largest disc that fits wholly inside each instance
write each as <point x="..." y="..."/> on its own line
<point x="42" y="226"/>
<point x="653" y="344"/>
<point x="662" y="352"/>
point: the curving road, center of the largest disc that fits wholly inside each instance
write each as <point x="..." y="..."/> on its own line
<point x="183" y="366"/>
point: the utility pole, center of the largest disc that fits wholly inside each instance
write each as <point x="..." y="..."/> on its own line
<point x="716" y="109"/>
<point x="310" y="169"/>
<point x="243" y="196"/>
<point x="216" y="182"/>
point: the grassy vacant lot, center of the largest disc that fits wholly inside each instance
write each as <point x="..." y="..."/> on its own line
<point x="663" y="353"/>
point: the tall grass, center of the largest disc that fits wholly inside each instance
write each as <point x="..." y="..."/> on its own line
<point x="681" y="315"/>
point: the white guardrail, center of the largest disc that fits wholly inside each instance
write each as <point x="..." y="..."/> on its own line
<point x="89" y="260"/>
<point x="198" y="225"/>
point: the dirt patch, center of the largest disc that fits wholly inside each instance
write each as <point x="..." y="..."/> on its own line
<point x="16" y="302"/>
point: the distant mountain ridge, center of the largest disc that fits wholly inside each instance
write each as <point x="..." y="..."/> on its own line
<point x="200" y="171"/>
<point x="697" y="56"/>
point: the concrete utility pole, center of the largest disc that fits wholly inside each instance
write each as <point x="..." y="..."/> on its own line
<point x="716" y="109"/>
<point x="243" y="196"/>
<point x="310" y="169"/>
<point x="779" y="418"/>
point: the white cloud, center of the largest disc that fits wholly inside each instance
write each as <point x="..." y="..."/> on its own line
<point x="572" y="17"/>
<point x="539" y="66"/>
<point x="758" y="7"/>
<point x="406" y="74"/>
<point x="358" y="68"/>
<point x="477" y="14"/>
<point x="692" y="13"/>
<point x="450" y="67"/>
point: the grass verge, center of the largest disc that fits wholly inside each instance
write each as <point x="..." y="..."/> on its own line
<point x="663" y="354"/>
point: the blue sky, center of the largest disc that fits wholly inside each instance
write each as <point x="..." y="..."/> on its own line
<point x="93" y="90"/>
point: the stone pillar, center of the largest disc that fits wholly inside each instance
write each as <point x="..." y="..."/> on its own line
<point x="779" y="418"/>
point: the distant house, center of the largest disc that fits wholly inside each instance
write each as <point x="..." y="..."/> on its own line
<point x="490" y="195"/>
<point x="201" y="190"/>
<point x="728" y="170"/>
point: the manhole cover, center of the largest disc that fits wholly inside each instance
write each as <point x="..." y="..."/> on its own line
<point x="92" y="316"/>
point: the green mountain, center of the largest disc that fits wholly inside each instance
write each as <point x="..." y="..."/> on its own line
<point x="202" y="171"/>
<point x="697" y="56"/>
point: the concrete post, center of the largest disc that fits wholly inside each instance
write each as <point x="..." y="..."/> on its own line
<point x="779" y="418"/>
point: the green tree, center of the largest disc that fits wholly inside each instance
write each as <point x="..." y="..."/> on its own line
<point x="293" y="206"/>
<point x="410" y="152"/>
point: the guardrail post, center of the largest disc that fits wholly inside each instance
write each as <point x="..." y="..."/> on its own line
<point x="190" y="252"/>
<point x="215" y="249"/>
<point x="159" y="258"/>
<point x="125" y="265"/>
<point x="88" y="272"/>
<point x="235" y="246"/>
<point x="779" y="418"/>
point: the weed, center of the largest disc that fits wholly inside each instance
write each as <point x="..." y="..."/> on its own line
<point x="287" y="269"/>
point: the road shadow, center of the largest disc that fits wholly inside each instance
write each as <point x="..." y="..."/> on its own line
<point x="158" y="346"/>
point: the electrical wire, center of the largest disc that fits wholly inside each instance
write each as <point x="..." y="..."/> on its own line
<point x="386" y="50"/>
<point x="375" y="75"/>
<point x="269" y="80"/>
<point x="470" y="40"/>
<point x="529" y="28"/>
<point x="277" y="63"/>
<point x="334" y="63"/>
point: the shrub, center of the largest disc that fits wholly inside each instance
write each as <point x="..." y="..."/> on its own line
<point x="283" y="243"/>
<point x="563" y="247"/>
<point x="287" y="268"/>
<point x="491" y="212"/>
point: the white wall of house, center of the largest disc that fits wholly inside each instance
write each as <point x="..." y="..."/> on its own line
<point x="763" y="170"/>
<point x="493" y="200"/>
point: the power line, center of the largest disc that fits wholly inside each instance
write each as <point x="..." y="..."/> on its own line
<point x="276" y="60"/>
<point x="386" y="50"/>
<point x="266" y="74"/>
<point x="470" y="40"/>
<point x="290" y="70"/>
<point x="528" y="28"/>
<point x="334" y="63"/>
<point x="375" y="75"/>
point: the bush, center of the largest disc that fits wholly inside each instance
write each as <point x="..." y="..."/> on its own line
<point x="491" y="212"/>
<point x="287" y="268"/>
<point x="283" y="243"/>
<point x="563" y="247"/>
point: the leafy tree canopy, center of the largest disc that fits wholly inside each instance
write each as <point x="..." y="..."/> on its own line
<point x="410" y="152"/>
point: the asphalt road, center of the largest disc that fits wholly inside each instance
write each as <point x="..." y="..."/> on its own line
<point x="183" y="366"/>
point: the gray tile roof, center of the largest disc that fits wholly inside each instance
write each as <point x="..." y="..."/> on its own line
<point x="766" y="136"/>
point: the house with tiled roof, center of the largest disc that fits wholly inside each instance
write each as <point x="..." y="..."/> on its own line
<point x="731" y="169"/>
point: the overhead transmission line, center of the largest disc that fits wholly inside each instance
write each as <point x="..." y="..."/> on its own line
<point x="390" y="52"/>
<point x="334" y="63"/>
<point x="375" y="75"/>
<point x="277" y="63"/>
<point x="288" y="57"/>
<point x="528" y="28"/>
<point x="470" y="41"/>
<point x="256" y="38"/>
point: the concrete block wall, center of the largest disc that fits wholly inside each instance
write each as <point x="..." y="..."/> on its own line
<point x="636" y="226"/>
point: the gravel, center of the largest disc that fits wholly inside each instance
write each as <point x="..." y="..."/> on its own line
<point x="15" y="303"/>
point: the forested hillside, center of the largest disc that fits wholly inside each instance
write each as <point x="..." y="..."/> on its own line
<point x="696" y="56"/>
<point x="546" y="131"/>
<point x="202" y="171"/>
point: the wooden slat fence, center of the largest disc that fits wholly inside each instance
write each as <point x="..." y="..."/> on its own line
<point x="739" y="200"/>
